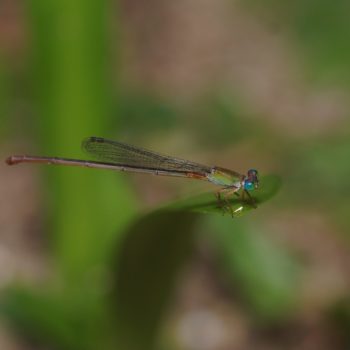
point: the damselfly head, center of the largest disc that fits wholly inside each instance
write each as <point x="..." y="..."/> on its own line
<point x="252" y="180"/>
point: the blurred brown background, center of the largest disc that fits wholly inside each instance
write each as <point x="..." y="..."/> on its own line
<point x="234" y="83"/>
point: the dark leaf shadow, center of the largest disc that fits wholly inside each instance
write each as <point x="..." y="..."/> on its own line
<point x="151" y="255"/>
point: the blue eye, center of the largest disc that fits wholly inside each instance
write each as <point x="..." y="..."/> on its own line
<point x="248" y="185"/>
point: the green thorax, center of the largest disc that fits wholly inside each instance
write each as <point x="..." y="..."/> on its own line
<point x="225" y="177"/>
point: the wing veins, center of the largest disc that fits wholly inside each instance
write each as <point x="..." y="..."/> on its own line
<point x="128" y="155"/>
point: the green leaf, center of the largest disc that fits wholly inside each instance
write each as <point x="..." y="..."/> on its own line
<point x="207" y="203"/>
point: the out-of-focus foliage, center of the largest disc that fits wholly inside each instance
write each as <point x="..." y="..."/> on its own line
<point x="59" y="320"/>
<point x="223" y="120"/>
<point x="73" y="100"/>
<point x="3" y="95"/>
<point x="153" y="252"/>
<point x="134" y="108"/>
<point x="322" y="28"/>
<point x="115" y="270"/>
<point x="320" y="170"/>
<point x="263" y="273"/>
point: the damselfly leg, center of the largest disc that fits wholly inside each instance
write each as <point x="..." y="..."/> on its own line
<point x="250" y="198"/>
<point x="223" y="201"/>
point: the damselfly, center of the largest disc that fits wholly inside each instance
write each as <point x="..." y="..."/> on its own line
<point x="120" y="156"/>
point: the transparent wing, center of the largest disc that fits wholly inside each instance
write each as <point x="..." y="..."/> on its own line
<point x="122" y="154"/>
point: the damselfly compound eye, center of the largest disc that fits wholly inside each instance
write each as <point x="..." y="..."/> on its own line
<point x="248" y="185"/>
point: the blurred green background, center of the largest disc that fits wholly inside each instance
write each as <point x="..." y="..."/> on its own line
<point x="87" y="259"/>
